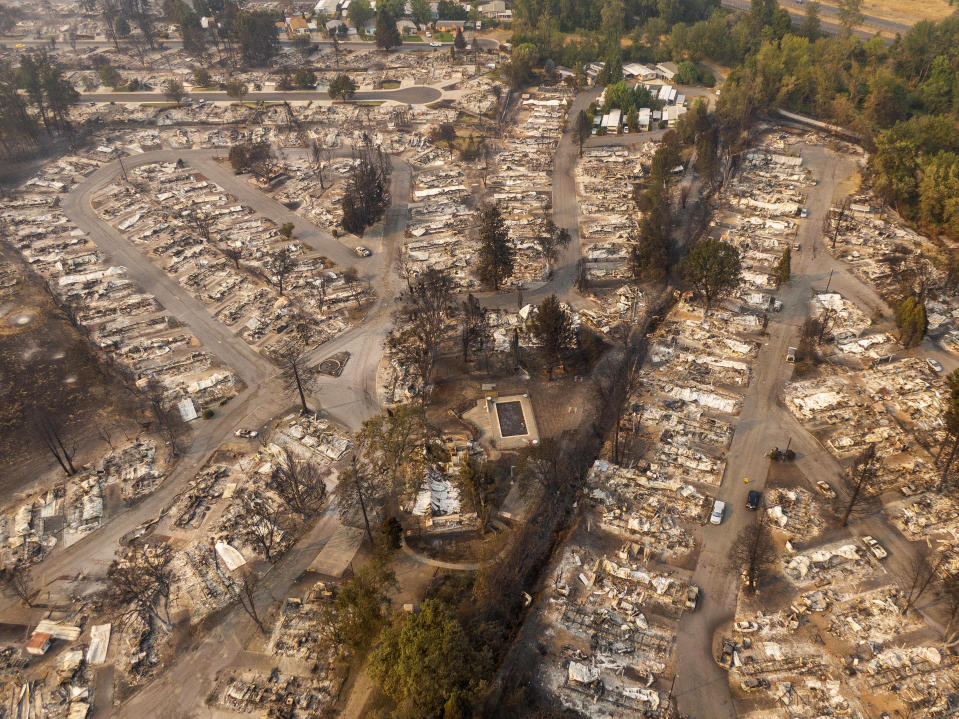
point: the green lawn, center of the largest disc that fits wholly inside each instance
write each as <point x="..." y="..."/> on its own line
<point x="391" y="84"/>
<point x="412" y="38"/>
<point x="443" y="36"/>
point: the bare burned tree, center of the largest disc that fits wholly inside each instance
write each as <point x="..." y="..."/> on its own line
<point x="836" y="221"/>
<point x="475" y="331"/>
<point x="420" y="323"/>
<point x="279" y="264"/>
<point x="264" y="525"/>
<point x="15" y="578"/>
<point x="922" y="573"/>
<point x="322" y="157"/>
<point x="752" y="551"/>
<point x="550" y="240"/>
<point x="244" y="591"/>
<point x="201" y="223"/>
<point x="299" y="483"/>
<point x="367" y="192"/>
<point x="138" y="585"/>
<point x="356" y="488"/>
<point x="352" y="279"/>
<point x="299" y="378"/>
<point x="49" y="430"/>
<point x="864" y="470"/>
<point x="233" y="254"/>
<point x="168" y="419"/>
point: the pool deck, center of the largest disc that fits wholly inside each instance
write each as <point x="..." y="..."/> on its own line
<point x="484" y="416"/>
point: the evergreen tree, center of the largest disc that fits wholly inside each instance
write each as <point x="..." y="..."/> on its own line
<point x="911" y="320"/>
<point x="387" y="35"/>
<point x="552" y="328"/>
<point x="712" y="267"/>
<point x="783" y="269"/>
<point x="496" y="253"/>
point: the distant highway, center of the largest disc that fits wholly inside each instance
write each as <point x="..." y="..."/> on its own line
<point x="829" y="18"/>
<point x="416" y="95"/>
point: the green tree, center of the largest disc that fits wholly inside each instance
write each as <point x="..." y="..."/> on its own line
<point x="387" y="35"/>
<point x="341" y="88"/>
<point x="850" y="15"/>
<point x="359" y="13"/>
<point x="305" y="78"/>
<point x="496" y="253"/>
<point x="201" y="77"/>
<point x="121" y="27"/>
<point x="911" y="320"/>
<point x="459" y="42"/>
<point x="783" y="269"/>
<point x="257" y="37"/>
<point x="359" y="611"/>
<point x="811" y="28"/>
<point x="237" y="89"/>
<point x="423" y="659"/>
<point x="173" y="90"/>
<point x="394" y="447"/>
<point x="450" y="10"/>
<point x="303" y="44"/>
<point x="552" y="328"/>
<point x="939" y="193"/>
<point x="713" y="268"/>
<point x="420" y="12"/>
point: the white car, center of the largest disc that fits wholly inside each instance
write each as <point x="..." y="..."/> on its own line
<point x="936" y="367"/>
<point x="717" y="516"/>
<point x="362" y="252"/>
<point x="747" y="627"/>
<point x="436" y="43"/>
<point x="878" y="551"/>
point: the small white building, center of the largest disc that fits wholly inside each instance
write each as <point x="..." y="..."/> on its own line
<point x="645" y="118"/>
<point x="612" y="119"/>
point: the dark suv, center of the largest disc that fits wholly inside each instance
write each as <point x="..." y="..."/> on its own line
<point x="753" y="499"/>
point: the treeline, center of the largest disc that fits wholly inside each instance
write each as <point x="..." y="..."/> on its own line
<point x="575" y="32"/>
<point x="41" y="108"/>
<point x="237" y="35"/>
<point x="902" y="99"/>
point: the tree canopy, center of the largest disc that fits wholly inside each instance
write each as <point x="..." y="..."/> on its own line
<point x="713" y="268"/>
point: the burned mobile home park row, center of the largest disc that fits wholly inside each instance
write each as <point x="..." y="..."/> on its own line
<point x="616" y="597"/>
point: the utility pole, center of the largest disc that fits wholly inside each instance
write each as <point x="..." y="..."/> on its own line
<point x="123" y="170"/>
<point x="829" y="281"/>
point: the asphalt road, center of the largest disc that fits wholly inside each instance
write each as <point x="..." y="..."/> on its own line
<point x="829" y="18"/>
<point x="417" y="95"/>
<point x="701" y="686"/>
